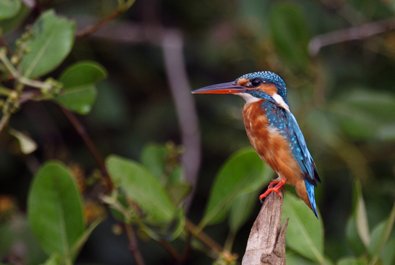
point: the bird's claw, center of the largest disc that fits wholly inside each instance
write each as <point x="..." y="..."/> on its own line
<point x="274" y="186"/>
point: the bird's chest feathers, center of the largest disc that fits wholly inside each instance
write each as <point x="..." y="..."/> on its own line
<point x="265" y="131"/>
<point x="256" y="124"/>
<point x="261" y="125"/>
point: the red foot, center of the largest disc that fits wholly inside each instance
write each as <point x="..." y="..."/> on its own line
<point x="274" y="186"/>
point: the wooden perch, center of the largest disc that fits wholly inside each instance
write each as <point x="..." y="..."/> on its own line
<point x="266" y="243"/>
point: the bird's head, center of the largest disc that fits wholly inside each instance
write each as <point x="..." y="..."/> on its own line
<point x="252" y="87"/>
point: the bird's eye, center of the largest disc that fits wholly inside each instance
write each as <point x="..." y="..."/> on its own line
<point x="256" y="82"/>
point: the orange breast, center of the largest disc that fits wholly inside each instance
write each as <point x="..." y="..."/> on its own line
<point x="270" y="144"/>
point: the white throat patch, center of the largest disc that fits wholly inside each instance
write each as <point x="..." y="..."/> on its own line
<point x="280" y="101"/>
<point x="248" y="98"/>
<point x="251" y="99"/>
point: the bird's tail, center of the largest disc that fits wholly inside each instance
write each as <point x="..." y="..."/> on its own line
<point x="310" y="196"/>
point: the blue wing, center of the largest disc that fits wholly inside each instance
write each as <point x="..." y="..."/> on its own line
<point x="299" y="149"/>
<point x="288" y="127"/>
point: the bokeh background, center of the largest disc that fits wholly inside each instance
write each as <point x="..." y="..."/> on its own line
<point x="337" y="58"/>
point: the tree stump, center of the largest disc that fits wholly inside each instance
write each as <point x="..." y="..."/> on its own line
<point x="266" y="243"/>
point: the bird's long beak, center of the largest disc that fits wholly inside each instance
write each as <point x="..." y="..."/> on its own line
<point x="223" y="88"/>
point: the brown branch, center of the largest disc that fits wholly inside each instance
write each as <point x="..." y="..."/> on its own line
<point x="133" y="244"/>
<point x="353" y="33"/>
<point x="266" y="243"/>
<point x="91" y="148"/>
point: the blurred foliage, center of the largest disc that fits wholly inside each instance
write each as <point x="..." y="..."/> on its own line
<point x="343" y="96"/>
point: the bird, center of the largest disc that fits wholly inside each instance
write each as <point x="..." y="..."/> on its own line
<point x="273" y="132"/>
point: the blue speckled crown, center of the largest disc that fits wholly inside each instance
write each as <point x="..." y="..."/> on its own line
<point x="270" y="77"/>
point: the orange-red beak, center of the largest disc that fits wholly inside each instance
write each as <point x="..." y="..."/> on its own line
<point x="223" y="88"/>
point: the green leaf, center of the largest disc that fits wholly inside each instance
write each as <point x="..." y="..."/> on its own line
<point x="9" y="8"/>
<point x="365" y="114"/>
<point x="79" y="92"/>
<point x="305" y="231"/>
<point x="162" y="161"/>
<point x="353" y="239"/>
<point x="54" y="259"/>
<point x="143" y="188"/>
<point x="84" y="237"/>
<point x="242" y="172"/>
<point x="380" y="236"/>
<point x="241" y="209"/>
<point x="290" y="35"/>
<point x="357" y="229"/>
<point x="55" y="209"/>
<point x="352" y="261"/>
<point x="295" y="259"/>
<point x="13" y="22"/>
<point x="51" y="41"/>
<point x="153" y="157"/>
<point x="388" y="254"/>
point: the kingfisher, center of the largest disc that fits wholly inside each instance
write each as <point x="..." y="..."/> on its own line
<point x="274" y="132"/>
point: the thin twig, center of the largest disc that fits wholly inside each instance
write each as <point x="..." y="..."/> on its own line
<point x="133" y="244"/>
<point x="203" y="237"/>
<point x="349" y="34"/>
<point x="188" y="247"/>
<point x="102" y="22"/>
<point x="171" y="250"/>
<point x="91" y="147"/>
<point x="172" y="46"/>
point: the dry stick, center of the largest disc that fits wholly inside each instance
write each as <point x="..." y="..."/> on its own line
<point x="266" y="243"/>
<point x="353" y="33"/>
